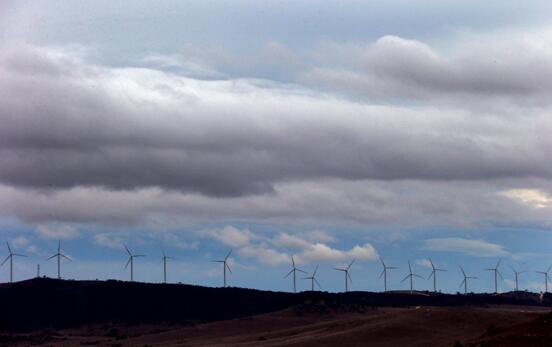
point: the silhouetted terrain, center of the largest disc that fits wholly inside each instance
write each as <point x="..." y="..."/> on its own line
<point x="43" y="302"/>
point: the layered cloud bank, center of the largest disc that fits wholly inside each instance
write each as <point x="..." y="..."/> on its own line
<point x="401" y="134"/>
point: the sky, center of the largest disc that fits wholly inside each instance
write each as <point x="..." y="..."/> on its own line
<point x="329" y="131"/>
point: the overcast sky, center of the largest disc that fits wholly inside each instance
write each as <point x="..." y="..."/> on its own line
<point x="329" y="130"/>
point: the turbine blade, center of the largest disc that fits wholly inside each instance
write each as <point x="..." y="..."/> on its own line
<point x="293" y="261"/>
<point x="289" y="273"/>
<point x="128" y="251"/>
<point x="498" y="263"/>
<point x="139" y="255"/>
<point x="431" y="262"/>
<point x="55" y="255"/>
<point x="318" y="284"/>
<point x="404" y="279"/>
<point x="382" y="263"/>
<point x="5" y="260"/>
<point x="349" y="277"/>
<point x="499" y="274"/>
<point x="9" y="248"/>
<point x="228" y="255"/>
<point x="228" y="267"/>
<point x="409" y="267"/>
<point x="300" y="271"/>
<point x="66" y="257"/>
<point x="381" y="274"/>
<point x="350" y="264"/>
<point x="315" y="270"/>
<point x="392" y="268"/>
<point x="417" y="276"/>
<point x="431" y="274"/>
<point x="461" y="283"/>
<point x="128" y="262"/>
<point x="19" y="255"/>
<point x="548" y="270"/>
<point x="462" y="269"/>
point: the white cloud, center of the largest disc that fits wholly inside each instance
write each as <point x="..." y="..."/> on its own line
<point x="324" y="253"/>
<point x="57" y="231"/>
<point x="109" y="240"/>
<point x="264" y="255"/>
<point x="532" y="197"/>
<point x="472" y="247"/>
<point x="423" y="263"/>
<point x="231" y="236"/>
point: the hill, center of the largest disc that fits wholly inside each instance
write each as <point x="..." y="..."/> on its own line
<point x="44" y="302"/>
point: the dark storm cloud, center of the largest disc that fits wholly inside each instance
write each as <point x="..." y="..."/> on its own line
<point x="67" y="124"/>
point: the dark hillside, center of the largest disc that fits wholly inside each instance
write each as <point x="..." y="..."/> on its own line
<point x="44" y="302"/>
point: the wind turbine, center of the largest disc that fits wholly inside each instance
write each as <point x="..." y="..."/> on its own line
<point x="313" y="279"/>
<point x="517" y="273"/>
<point x="546" y="278"/>
<point x="496" y="273"/>
<point x="433" y="273"/>
<point x="225" y="265"/>
<point x="294" y="270"/>
<point x="347" y="276"/>
<point x="165" y="257"/>
<point x="131" y="261"/>
<point x="384" y="273"/>
<point x="465" y="281"/>
<point x="59" y="255"/>
<point x="10" y="257"/>
<point x="411" y="276"/>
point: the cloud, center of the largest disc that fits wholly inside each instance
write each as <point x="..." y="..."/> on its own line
<point x="533" y="197"/>
<point x="323" y="253"/>
<point x="109" y="240"/>
<point x="264" y="255"/>
<point x="57" y="231"/>
<point x="279" y="249"/>
<point x="230" y="236"/>
<point x="499" y="67"/>
<point x="424" y="263"/>
<point x="84" y="147"/>
<point x="478" y="248"/>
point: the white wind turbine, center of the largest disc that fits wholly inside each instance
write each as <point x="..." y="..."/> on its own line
<point x="224" y="265"/>
<point x="433" y="273"/>
<point x="131" y="261"/>
<point x="465" y="280"/>
<point x="347" y="275"/>
<point x="294" y="271"/>
<point x="384" y="273"/>
<point x="10" y="257"/>
<point x="59" y="255"/>
<point x="411" y="276"/>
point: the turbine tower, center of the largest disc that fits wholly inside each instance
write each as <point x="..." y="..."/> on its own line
<point x="496" y="274"/>
<point x="433" y="273"/>
<point x="294" y="270"/>
<point x="10" y="257"/>
<point x="59" y="255"/>
<point x="313" y="279"/>
<point x="131" y="261"/>
<point x="165" y="257"/>
<point x="517" y="273"/>
<point x="546" y="278"/>
<point x="384" y="273"/>
<point x="465" y="281"/>
<point x="347" y="276"/>
<point x="225" y="265"/>
<point x="411" y="276"/>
